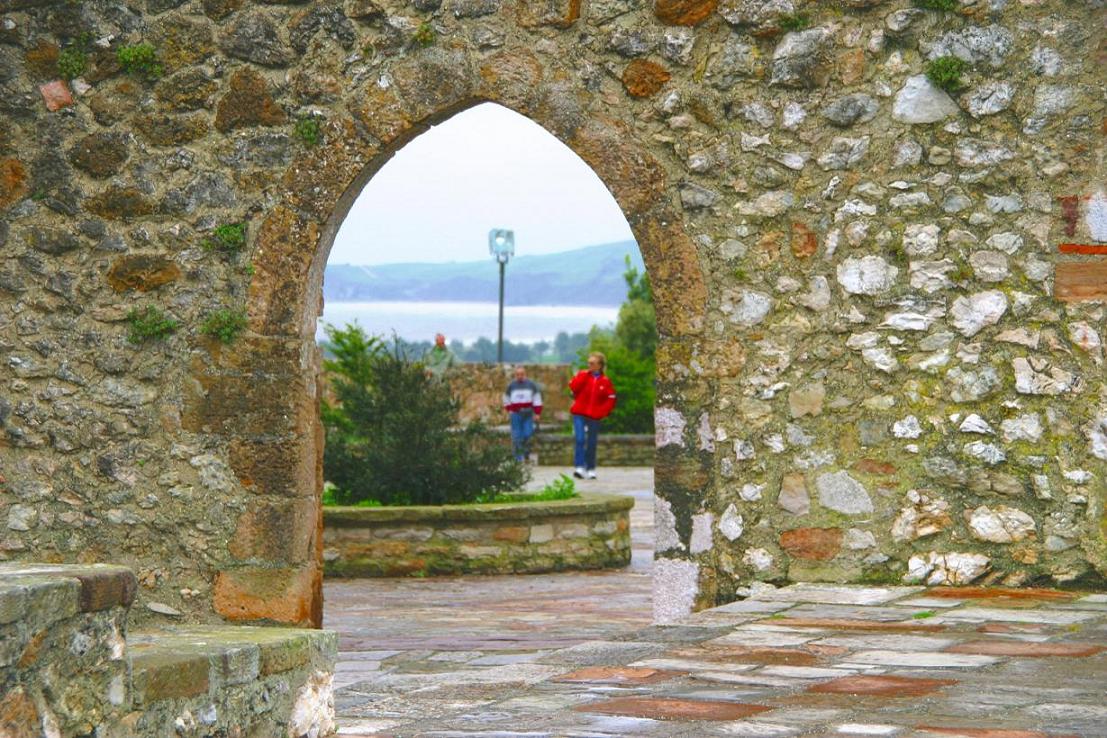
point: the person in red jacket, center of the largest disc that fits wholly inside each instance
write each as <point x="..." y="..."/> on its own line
<point x="593" y="400"/>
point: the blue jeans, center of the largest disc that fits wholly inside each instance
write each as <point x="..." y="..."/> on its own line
<point x="586" y="432"/>
<point x="522" y="428"/>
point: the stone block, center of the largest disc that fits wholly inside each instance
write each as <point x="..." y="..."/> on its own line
<point x="818" y="544"/>
<point x="1080" y="281"/>
<point x="542" y="533"/>
<point x="157" y="675"/>
<point x="142" y="272"/>
<point x="284" y="595"/>
<point x="512" y="534"/>
<point x="278" y="531"/>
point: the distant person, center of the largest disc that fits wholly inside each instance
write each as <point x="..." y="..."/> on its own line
<point x="439" y="359"/>
<point x="593" y="400"/>
<point x="523" y="403"/>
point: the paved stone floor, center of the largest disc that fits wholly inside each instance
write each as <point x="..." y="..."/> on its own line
<point x="572" y="655"/>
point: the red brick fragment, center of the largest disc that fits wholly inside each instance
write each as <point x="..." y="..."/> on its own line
<point x="684" y="12"/>
<point x="817" y="544"/>
<point x="872" y="466"/>
<point x="56" y="95"/>
<point x="1070" y="212"/>
<point x="618" y="675"/>
<point x="1083" y="248"/>
<point x="643" y="78"/>
<point x="1027" y="649"/>
<point x="663" y="708"/>
<point x="882" y="686"/>
<point x="989" y="733"/>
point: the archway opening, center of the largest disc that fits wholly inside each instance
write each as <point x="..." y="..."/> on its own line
<point x="410" y="258"/>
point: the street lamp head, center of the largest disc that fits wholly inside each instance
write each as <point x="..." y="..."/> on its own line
<point x="501" y="244"/>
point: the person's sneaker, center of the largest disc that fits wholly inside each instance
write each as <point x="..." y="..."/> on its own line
<point x="578" y="472"/>
<point x="591" y="473"/>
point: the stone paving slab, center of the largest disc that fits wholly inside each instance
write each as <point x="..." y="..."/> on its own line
<point x="805" y="660"/>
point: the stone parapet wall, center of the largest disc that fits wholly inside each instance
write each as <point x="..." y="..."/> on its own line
<point x="480" y="387"/>
<point x="591" y="532"/>
<point x="69" y="666"/>
<point x="615" y="449"/>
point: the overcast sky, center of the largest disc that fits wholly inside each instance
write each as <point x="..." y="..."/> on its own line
<point x="487" y="167"/>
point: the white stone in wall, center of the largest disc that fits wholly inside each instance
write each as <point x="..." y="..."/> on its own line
<point x="908" y="153"/>
<point x="949" y="568"/>
<point x="1021" y="336"/>
<point x="313" y="708"/>
<point x="977" y="45"/>
<point x="794" y="114"/>
<point x="758" y="558"/>
<point x="751" y="308"/>
<point x="973" y="313"/>
<point x="868" y="339"/>
<point x="976" y="424"/>
<point x="967" y="385"/>
<point x="844" y="153"/>
<point x="972" y="153"/>
<point x="664" y="524"/>
<point x="818" y="295"/>
<point x="989" y="266"/>
<point x="1026" y="427"/>
<point x="920" y="239"/>
<point x="909" y="427"/>
<point x="989" y="453"/>
<point x="700" y="540"/>
<point x="988" y="99"/>
<point x="920" y="101"/>
<point x="1006" y="242"/>
<point x="669" y="424"/>
<point x="1097" y="435"/>
<point x="1078" y="476"/>
<point x="675" y="586"/>
<point x="751" y="492"/>
<point x="868" y="275"/>
<point x="858" y="540"/>
<point x="1095" y="215"/>
<point x="923" y="516"/>
<point x="1001" y="525"/>
<point x="912" y="320"/>
<point x="931" y="276"/>
<point x="1046" y="61"/>
<point x="1035" y="376"/>
<point x="881" y="359"/>
<point x="841" y="492"/>
<point x="769" y="205"/>
<point x="744" y="451"/>
<point x="731" y="524"/>
<point x="1087" y="338"/>
<point x="703" y="432"/>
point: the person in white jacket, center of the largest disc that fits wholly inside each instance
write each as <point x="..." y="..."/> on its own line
<point x="523" y="403"/>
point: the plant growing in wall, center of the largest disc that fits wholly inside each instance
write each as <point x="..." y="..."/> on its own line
<point x="394" y="434"/>
<point x="794" y="22"/>
<point x="425" y="35"/>
<point x="945" y="5"/>
<point x="229" y="238"/>
<point x="946" y="71"/>
<point x="72" y="62"/>
<point x="224" y="324"/>
<point x="140" y="60"/>
<point x="149" y="324"/>
<point x="308" y="130"/>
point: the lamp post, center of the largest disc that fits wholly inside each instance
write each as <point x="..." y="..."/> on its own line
<point x="501" y="244"/>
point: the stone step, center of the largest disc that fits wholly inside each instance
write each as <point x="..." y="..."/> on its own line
<point x="68" y="666"/>
<point x="206" y="680"/>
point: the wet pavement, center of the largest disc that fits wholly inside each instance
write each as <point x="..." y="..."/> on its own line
<point x="573" y="655"/>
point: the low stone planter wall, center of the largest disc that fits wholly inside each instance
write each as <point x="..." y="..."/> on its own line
<point x="615" y="449"/>
<point x="590" y="532"/>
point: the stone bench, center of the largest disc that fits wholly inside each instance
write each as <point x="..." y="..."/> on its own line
<point x="69" y="667"/>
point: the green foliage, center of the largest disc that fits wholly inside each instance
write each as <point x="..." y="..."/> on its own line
<point x="308" y="130"/>
<point x="394" y="436"/>
<point x="630" y="350"/>
<point x="425" y="35"/>
<point x="924" y="615"/>
<point x="140" y="60"/>
<point x="149" y="324"/>
<point x="946" y="71"/>
<point x="72" y="62"/>
<point x="947" y="5"/>
<point x="229" y="238"/>
<point x="224" y="324"/>
<point x="794" y="22"/>
<point x="562" y="488"/>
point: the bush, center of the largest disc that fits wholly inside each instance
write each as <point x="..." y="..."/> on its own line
<point x="393" y="432"/>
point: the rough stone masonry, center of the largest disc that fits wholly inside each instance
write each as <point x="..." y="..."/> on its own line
<point x="880" y="303"/>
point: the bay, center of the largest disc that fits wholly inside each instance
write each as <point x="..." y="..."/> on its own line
<point x="466" y="321"/>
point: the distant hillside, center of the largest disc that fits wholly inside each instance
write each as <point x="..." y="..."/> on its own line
<point x="588" y="276"/>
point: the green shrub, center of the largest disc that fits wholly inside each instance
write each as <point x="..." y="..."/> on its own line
<point x="224" y="324"/>
<point x="149" y="324"/>
<point x="140" y="60"/>
<point x="946" y="71"/>
<point x="72" y="62"/>
<point x="425" y="35"/>
<point x="229" y="238"/>
<point x="947" y="5"/>
<point x="308" y="130"/>
<point x="393" y="433"/>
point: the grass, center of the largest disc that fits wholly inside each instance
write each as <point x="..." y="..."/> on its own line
<point x="562" y="488"/>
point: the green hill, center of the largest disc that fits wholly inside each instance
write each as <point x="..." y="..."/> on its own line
<point x="587" y="276"/>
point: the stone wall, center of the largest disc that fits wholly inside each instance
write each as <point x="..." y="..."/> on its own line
<point x="615" y="449"/>
<point x="880" y="306"/>
<point x="481" y="387"/>
<point x="592" y="532"/>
